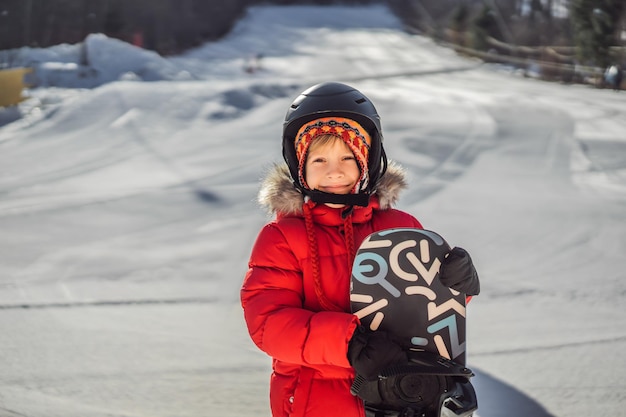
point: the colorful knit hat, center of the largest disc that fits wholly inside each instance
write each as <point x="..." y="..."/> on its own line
<point x="352" y="133"/>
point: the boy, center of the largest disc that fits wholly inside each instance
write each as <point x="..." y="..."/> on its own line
<point x="336" y="188"/>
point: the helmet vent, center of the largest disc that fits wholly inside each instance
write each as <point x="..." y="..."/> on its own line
<point x="361" y="100"/>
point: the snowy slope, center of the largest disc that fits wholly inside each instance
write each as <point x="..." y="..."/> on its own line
<point x="127" y="213"/>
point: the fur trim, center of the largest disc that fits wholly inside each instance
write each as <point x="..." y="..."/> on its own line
<point x="279" y="195"/>
<point x="390" y="185"/>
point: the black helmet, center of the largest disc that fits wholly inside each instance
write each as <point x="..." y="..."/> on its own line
<point x="335" y="99"/>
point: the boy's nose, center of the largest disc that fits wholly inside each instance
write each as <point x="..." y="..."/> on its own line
<point x="334" y="170"/>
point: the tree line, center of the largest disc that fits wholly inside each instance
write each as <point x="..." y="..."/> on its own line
<point x="593" y="29"/>
<point x="166" y="26"/>
<point x="574" y="32"/>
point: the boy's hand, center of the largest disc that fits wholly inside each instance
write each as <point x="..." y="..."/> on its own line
<point x="457" y="272"/>
<point x="370" y="353"/>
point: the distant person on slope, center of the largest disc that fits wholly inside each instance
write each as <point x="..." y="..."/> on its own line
<point x="613" y="76"/>
<point x="335" y="190"/>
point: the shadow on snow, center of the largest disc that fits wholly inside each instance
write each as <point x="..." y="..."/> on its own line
<point x="497" y="398"/>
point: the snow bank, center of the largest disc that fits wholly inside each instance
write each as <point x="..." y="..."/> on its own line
<point x="96" y="61"/>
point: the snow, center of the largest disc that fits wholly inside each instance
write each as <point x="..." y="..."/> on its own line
<point x="127" y="213"/>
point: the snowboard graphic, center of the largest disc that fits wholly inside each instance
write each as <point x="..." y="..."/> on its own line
<point x="395" y="288"/>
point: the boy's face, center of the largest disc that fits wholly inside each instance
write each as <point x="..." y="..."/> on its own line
<point x="331" y="167"/>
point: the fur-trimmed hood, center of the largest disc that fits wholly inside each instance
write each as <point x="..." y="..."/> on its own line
<point x="279" y="195"/>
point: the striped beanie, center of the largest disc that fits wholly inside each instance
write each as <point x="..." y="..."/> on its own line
<point x="351" y="132"/>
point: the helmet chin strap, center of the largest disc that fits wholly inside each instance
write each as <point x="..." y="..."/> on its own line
<point x="360" y="199"/>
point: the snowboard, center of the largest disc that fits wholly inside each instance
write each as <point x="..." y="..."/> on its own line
<point x="395" y="288"/>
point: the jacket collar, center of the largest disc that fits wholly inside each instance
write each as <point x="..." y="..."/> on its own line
<point x="279" y="196"/>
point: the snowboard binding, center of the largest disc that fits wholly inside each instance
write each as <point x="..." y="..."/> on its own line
<point x="428" y="385"/>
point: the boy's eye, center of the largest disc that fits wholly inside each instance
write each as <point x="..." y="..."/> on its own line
<point x="348" y="157"/>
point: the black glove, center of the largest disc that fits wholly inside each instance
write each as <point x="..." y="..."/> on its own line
<point x="370" y="353"/>
<point x="457" y="272"/>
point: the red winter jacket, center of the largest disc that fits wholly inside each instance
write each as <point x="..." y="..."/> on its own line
<point x="296" y="293"/>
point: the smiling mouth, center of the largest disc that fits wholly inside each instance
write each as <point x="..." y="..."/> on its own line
<point x="334" y="187"/>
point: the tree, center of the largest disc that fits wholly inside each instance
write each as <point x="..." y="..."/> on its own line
<point x="484" y="26"/>
<point x="595" y="26"/>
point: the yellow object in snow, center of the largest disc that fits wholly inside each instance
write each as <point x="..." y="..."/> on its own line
<point x="11" y="85"/>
